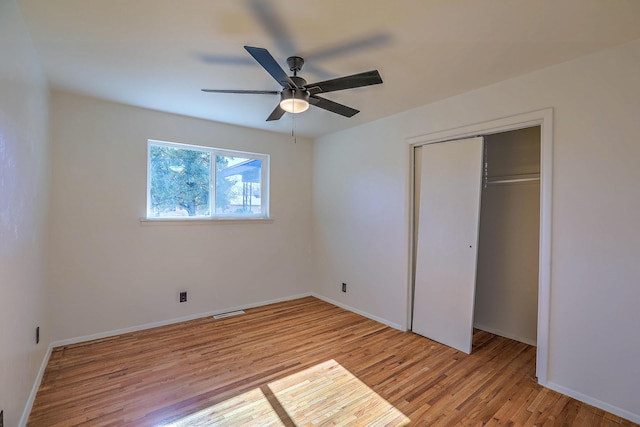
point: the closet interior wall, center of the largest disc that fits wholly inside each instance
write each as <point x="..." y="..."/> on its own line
<point x="506" y="299"/>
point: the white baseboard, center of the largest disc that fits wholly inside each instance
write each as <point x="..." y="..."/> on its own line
<point x="594" y="402"/>
<point x="34" y="390"/>
<point x="112" y="333"/>
<point x="505" y="334"/>
<point x="360" y="312"/>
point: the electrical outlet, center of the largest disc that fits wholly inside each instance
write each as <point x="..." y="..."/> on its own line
<point x="37" y="334"/>
<point x="344" y="287"/>
<point x="183" y="296"/>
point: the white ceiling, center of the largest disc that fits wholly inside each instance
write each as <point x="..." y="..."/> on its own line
<point x="158" y="54"/>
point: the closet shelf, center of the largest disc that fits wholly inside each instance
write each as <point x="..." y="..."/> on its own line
<point x="509" y="179"/>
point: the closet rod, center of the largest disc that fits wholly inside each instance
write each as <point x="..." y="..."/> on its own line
<point x="508" y="181"/>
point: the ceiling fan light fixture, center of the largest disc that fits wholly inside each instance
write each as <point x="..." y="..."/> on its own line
<point x="293" y="101"/>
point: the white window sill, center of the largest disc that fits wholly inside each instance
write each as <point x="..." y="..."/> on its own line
<point x="187" y="220"/>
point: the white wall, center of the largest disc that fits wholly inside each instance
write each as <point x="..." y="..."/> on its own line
<point x="360" y="192"/>
<point x="24" y="197"/>
<point x="361" y="214"/>
<point x="111" y="271"/>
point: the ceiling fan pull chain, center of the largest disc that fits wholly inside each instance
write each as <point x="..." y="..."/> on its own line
<point x="293" y="121"/>
<point x="293" y="125"/>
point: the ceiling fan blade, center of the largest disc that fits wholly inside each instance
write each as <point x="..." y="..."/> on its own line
<point x="250" y="92"/>
<point x="320" y="72"/>
<point x="349" y="47"/>
<point x="273" y="24"/>
<point x="276" y="114"/>
<point x="267" y="61"/>
<point x="348" y="82"/>
<point x="334" y="107"/>
<point x="225" y="59"/>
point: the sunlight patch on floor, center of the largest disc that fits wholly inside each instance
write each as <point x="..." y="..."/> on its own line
<point x="329" y="394"/>
<point x="325" y="394"/>
<point x="250" y="408"/>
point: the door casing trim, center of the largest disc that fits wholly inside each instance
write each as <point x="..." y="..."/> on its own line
<point x="544" y="119"/>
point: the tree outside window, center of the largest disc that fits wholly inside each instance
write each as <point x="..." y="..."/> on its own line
<point x="181" y="182"/>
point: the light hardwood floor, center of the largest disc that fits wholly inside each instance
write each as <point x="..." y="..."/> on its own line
<point x="302" y="362"/>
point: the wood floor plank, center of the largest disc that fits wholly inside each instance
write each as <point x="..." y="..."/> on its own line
<point x="301" y="362"/>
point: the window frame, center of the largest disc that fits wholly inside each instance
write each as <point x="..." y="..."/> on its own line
<point x="214" y="153"/>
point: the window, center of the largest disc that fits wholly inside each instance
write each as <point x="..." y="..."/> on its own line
<point x="188" y="182"/>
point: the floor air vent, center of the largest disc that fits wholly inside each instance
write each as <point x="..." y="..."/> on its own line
<point x="229" y="314"/>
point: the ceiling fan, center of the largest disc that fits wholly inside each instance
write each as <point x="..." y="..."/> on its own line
<point x="296" y="93"/>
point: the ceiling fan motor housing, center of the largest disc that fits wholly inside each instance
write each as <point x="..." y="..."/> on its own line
<point x="299" y="81"/>
<point x="294" y="93"/>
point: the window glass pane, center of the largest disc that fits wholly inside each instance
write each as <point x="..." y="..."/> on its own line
<point x="238" y="186"/>
<point x="179" y="182"/>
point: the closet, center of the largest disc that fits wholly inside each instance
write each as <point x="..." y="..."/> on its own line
<point x="506" y="297"/>
<point x="476" y="234"/>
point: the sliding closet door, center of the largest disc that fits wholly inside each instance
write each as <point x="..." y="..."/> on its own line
<point x="446" y="247"/>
